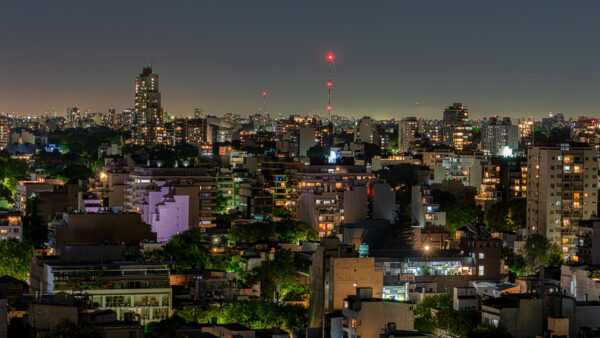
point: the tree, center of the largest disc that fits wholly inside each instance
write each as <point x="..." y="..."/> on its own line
<point x="460" y="214"/>
<point x="14" y="258"/>
<point x="66" y="328"/>
<point x="35" y="230"/>
<point x="507" y="216"/>
<point x="402" y="224"/>
<point x="489" y="331"/>
<point x="282" y="212"/>
<point x="258" y="313"/>
<point x="425" y="320"/>
<point x="276" y="275"/>
<point x="74" y="172"/>
<point x="397" y="234"/>
<point x="186" y="249"/>
<point x="221" y="202"/>
<point x="316" y="153"/>
<point x="11" y="171"/>
<point x="539" y="252"/>
<point x="516" y="263"/>
<point x="287" y="231"/>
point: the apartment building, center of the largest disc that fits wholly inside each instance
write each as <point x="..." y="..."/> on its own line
<point x="148" y="187"/>
<point x="562" y="189"/>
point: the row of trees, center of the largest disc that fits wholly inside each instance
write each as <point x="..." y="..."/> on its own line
<point x="259" y="314"/>
<point x="286" y="231"/>
<point x="537" y="253"/>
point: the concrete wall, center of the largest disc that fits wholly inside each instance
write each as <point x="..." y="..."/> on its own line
<point x="45" y="316"/>
<point x="374" y="316"/>
<point x="92" y="228"/>
<point x="384" y="201"/>
<point x="347" y="275"/>
<point x="355" y="204"/>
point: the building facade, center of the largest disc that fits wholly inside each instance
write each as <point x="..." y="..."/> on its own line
<point x="562" y="189"/>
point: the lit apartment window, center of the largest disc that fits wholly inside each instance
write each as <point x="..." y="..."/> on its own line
<point x="481" y="255"/>
<point x="480" y="271"/>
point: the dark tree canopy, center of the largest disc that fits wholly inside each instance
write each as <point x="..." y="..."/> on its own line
<point x="14" y="258"/>
<point x="66" y="328"/>
<point x="507" y="216"/>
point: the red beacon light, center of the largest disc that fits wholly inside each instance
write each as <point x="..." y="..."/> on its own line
<point x="328" y="107"/>
<point x="330" y="57"/>
<point x="329" y="84"/>
<point x="264" y="93"/>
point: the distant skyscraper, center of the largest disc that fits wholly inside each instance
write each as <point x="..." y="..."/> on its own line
<point x="457" y="130"/>
<point x="3" y="133"/>
<point x="499" y="136"/>
<point x="407" y="130"/>
<point x="73" y="115"/>
<point x="148" y="112"/>
<point x="526" y="129"/>
<point x="198" y="113"/>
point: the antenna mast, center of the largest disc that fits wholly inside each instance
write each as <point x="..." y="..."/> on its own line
<point x="330" y="58"/>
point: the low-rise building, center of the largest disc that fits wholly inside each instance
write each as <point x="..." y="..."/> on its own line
<point x="130" y="289"/>
<point x="365" y="316"/>
<point x="464" y="298"/>
<point x="522" y="316"/>
<point x="11" y="226"/>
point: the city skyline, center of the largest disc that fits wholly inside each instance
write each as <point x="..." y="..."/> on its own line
<point x="389" y="56"/>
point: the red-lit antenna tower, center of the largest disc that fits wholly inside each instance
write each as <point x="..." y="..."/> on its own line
<point x="264" y="95"/>
<point x="330" y="58"/>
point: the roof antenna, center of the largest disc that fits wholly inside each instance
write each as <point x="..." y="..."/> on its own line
<point x="151" y="62"/>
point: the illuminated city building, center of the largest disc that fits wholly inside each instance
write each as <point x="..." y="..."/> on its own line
<point x="148" y="123"/>
<point x="499" y="138"/>
<point x="408" y="129"/>
<point x="562" y="188"/>
<point x="457" y="131"/>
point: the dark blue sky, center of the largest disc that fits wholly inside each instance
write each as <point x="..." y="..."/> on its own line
<point x="508" y="57"/>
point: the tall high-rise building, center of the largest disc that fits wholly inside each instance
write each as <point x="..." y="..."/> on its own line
<point x="73" y="115"/>
<point x="407" y="131"/>
<point x="148" y="112"/>
<point x="499" y="137"/>
<point x="3" y="133"/>
<point x="526" y="129"/>
<point x="198" y="113"/>
<point x="562" y="189"/>
<point x="363" y="132"/>
<point x="457" y="130"/>
<point x="306" y="139"/>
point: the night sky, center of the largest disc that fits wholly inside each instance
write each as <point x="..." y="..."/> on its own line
<point x="521" y="58"/>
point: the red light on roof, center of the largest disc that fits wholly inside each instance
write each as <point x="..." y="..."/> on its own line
<point x="330" y="57"/>
<point x="328" y="107"/>
<point x="264" y="93"/>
